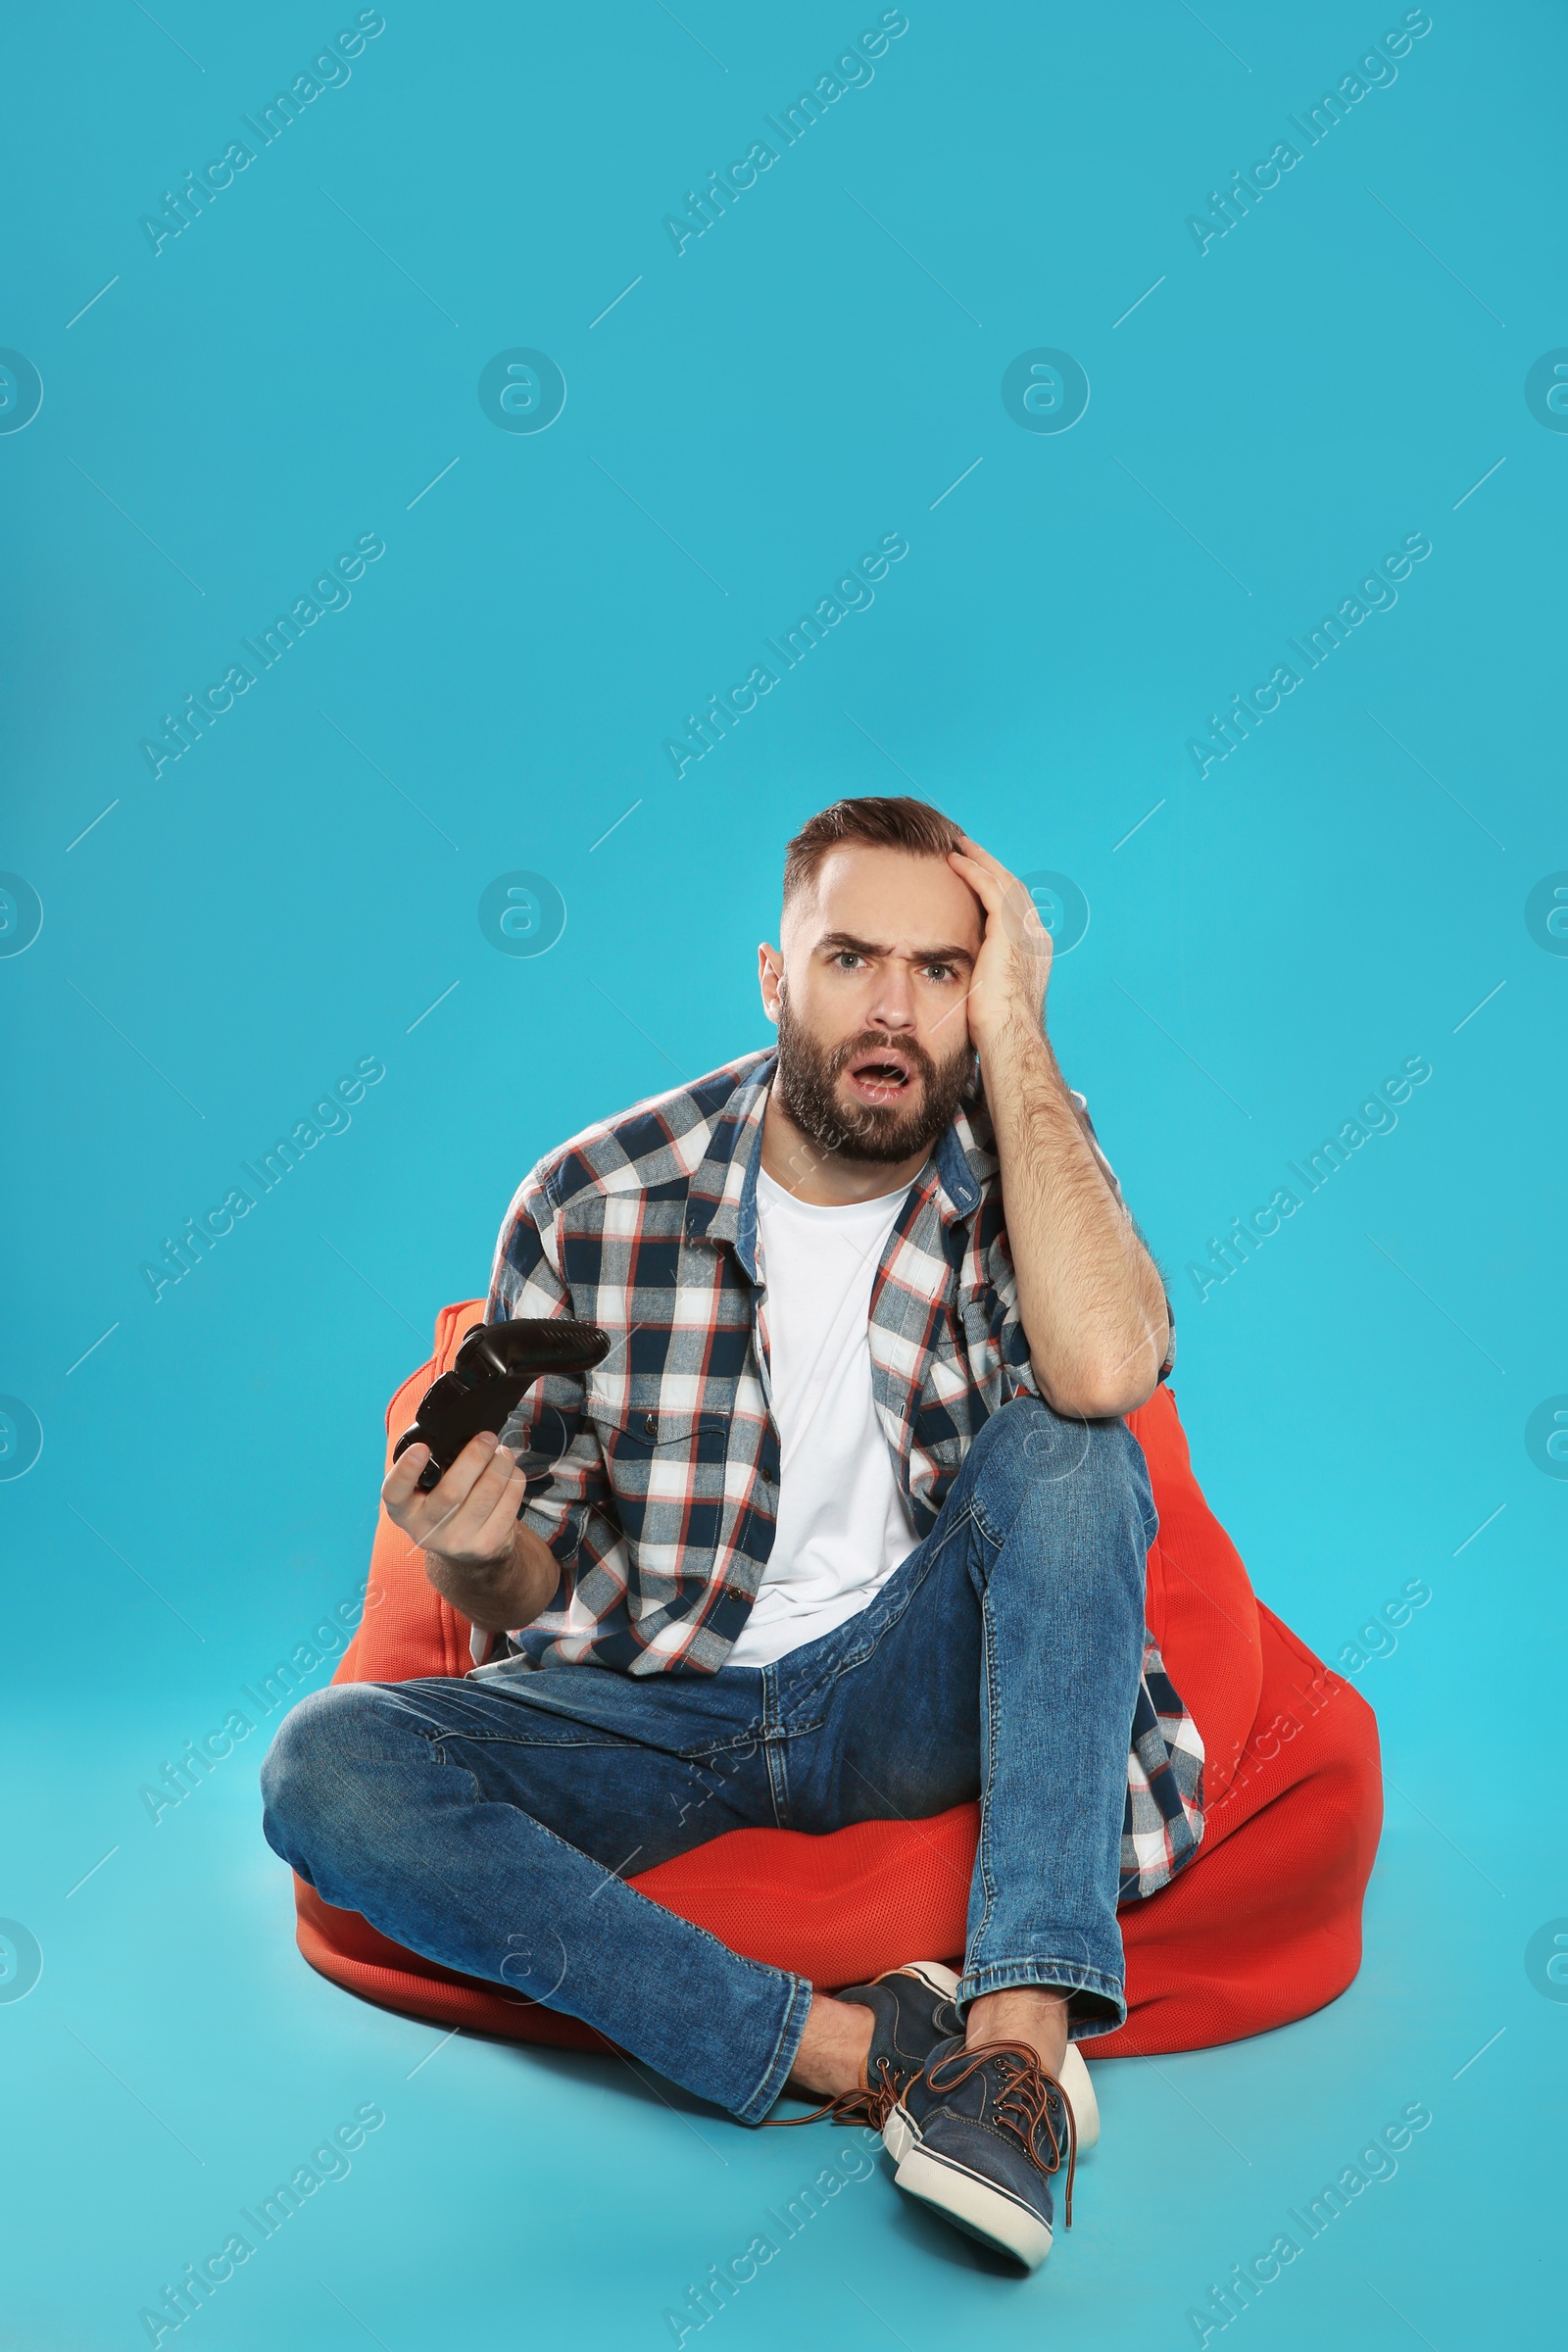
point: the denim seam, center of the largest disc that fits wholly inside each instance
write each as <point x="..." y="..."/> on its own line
<point x="775" y="1751"/>
<point x="523" y="1740"/>
<point x="441" y="1739"/>
<point x="438" y="1727"/>
<point x="777" y="2071"/>
<point x="984" y="1525"/>
<point x="440" y="1730"/>
<point x="993" y="1701"/>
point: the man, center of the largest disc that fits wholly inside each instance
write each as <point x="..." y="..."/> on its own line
<point x="846" y="1527"/>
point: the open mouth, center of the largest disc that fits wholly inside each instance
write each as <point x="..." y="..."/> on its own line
<point x="881" y="1077"/>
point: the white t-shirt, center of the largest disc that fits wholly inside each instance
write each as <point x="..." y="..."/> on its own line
<point x="843" y="1523"/>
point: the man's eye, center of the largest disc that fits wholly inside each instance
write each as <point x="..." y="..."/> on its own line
<point x="938" y="972"/>
<point x="845" y="957"/>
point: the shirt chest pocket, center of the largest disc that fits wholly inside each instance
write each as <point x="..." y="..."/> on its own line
<point x="663" y="1466"/>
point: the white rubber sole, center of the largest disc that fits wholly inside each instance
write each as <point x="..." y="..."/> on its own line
<point x="1079" y="2091"/>
<point x="897" y="2136"/>
<point x="976" y="2206"/>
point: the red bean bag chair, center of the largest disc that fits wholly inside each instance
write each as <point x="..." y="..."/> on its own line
<point x="1262" y="1926"/>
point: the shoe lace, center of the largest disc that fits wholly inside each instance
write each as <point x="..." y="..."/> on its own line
<point x="871" y="2103"/>
<point x="1023" y="2102"/>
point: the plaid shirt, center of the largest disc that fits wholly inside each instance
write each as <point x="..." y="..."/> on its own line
<point x="655" y="1481"/>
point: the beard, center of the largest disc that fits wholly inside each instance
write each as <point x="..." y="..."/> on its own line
<point x="806" y="1081"/>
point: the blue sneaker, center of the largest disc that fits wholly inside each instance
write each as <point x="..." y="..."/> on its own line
<point x="978" y="2135"/>
<point x="912" y="2015"/>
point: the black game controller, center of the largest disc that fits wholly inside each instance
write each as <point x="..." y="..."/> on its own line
<point x="489" y="1374"/>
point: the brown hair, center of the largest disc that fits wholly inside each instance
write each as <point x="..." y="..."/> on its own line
<point x="895" y="823"/>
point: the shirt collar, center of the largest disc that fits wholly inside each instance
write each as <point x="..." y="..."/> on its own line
<point x="721" y="1198"/>
<point x="722" y="1191"/>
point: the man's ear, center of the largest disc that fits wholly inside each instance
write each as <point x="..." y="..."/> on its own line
<point x="771" y="978"/>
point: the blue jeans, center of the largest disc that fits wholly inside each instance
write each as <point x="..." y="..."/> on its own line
<point x="488" y="1822"/>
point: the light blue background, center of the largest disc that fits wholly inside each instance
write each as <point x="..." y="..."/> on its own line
<point x="229" y="939"/>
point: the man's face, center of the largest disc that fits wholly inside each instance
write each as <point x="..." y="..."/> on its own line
<point x="869" y="995"/>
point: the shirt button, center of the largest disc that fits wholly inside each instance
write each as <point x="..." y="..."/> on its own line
<point x="651" y="1424"/>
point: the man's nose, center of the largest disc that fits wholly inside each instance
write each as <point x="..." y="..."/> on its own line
<point x="892" y="1004"/>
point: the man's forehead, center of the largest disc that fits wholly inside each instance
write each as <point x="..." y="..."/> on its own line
<point x="885" y="896"/>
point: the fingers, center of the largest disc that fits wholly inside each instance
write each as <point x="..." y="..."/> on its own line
<point x="1002" y="894"/>
<point x="416" y="1512"/>
<point x="402" y="1478"/>
<point x="479" y="1457"/>
<point x="986" y="886"/>
<point x="983" y="858"/>
<point x="1006" y="894"/>
<point x="1007" y="904"/>
<point x="419" y="1513"/>
<point x="467" y="1513"/>
<point x="493" y="1541"/>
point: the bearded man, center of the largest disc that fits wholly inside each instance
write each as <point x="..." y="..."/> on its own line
<point x="846" y="1527"/>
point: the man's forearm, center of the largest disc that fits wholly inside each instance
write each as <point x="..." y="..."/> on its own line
<point x="498" y="1594"/>
<point x="1089" y="1297"/>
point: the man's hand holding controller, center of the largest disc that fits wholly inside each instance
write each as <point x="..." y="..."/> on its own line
<point x="477" y="1552"/>
<point x="455" y="1490"/>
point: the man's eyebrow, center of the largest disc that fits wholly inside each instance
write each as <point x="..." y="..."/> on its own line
<point x="836" y="942"/>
